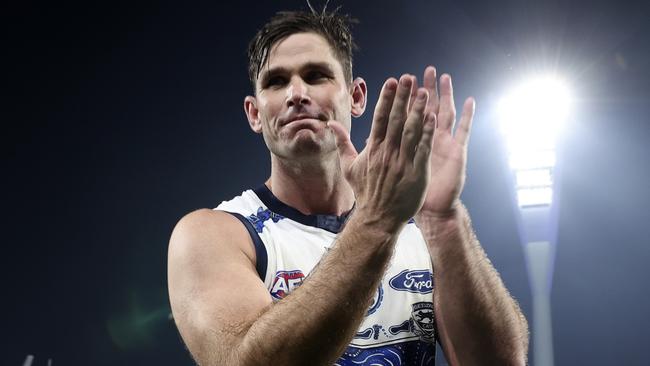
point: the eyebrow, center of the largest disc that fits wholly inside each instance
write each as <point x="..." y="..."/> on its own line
<point x="268" y="73"/>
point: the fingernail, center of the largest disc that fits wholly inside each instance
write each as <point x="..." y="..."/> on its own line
<point x="405" y="80"/>
<point x="422" y="95"/>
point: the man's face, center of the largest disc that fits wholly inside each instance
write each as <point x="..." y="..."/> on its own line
<point x="299" y="89"/>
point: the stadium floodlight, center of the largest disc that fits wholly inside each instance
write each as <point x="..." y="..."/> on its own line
<point x="532" y="116"/>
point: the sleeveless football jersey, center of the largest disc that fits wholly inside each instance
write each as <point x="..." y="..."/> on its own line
<point x="399" y="326"/>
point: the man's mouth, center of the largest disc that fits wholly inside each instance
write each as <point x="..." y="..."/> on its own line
<point x="299" y="118"/>
<point x="303" y="117"/>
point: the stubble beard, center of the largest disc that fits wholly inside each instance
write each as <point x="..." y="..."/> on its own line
<point x="306" y="146"/>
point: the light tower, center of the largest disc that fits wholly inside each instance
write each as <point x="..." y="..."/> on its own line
<point x="532" y="116"/>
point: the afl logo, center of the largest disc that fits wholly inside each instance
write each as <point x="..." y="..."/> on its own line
<point x="416" y="281"/>
<point x="285" y="282"/>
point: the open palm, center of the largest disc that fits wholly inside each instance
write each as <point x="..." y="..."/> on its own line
<point x="449" y="153"/>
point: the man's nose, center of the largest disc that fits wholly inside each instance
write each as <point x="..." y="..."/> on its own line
<point x="297" y="92"/>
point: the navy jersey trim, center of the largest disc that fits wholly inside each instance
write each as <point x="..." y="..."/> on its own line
<point x="331" y="223"/>
<point x="261" y="257"/>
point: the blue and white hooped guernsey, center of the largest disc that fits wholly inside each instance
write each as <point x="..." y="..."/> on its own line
<point x="399" y="327"/>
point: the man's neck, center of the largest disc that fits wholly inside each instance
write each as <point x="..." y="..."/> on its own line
<point x="311" y="188"/>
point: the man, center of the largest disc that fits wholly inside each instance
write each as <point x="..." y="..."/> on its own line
<point x="323" y="264"/>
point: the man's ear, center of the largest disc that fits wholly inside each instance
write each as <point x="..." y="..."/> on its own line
<point x="359" y="94"/>
<point x="252" y="113"/>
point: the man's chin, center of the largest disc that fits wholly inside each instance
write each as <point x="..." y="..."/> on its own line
<point x="306" y="141"/>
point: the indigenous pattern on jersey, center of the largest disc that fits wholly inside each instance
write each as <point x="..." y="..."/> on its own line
<point x="399" y="326"/>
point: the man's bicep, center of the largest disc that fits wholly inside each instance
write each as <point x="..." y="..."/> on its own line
<point x="215" y="291"/>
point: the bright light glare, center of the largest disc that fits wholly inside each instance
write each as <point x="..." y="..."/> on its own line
<point x="534" y="178"/>
<point x="531" y="117"/>
<point x="534" y="196"/>
<point x="532" y="159"/>
<point x="534" y="113"/>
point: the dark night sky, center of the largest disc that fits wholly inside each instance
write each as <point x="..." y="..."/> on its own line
<point x="122" y="118"/>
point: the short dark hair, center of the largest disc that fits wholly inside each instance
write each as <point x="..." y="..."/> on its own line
<point x="332" y="26"/>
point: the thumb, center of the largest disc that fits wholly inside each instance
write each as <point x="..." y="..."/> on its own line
<point x="347" y="152"/>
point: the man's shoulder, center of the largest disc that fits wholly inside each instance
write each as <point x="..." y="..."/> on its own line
<point x="206" y="230"/>
<point x="219" y="224"/>
<point x="205" y="221"/>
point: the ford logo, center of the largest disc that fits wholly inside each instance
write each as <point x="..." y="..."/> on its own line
<point x="416" y="281"/>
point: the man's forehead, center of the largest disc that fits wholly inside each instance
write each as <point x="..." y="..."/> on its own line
<point x="301" y="47"/>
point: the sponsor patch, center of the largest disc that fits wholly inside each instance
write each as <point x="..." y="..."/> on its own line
<point x="285" y="282"/>
<point x="416" y="281"/>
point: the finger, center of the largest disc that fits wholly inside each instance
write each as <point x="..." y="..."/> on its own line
<point x="413" y="126"/>
<point x="346" y="150"/>
<point x="447" y="110"/>
<point x="430" y="84"/>
<point x="423" y="151"/>
<point x="382" y="110"/>
<point x="465" y="124"/>
<point x="398" y="112"/>
<point x="414" y="91"/>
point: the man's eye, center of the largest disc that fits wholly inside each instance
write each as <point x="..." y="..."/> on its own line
<point x="316" y="75"/>
<point x="275" y="81"/>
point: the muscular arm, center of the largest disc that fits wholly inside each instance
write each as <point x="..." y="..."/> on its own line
<point x="226" y="316"/>
<point x="478" y="321"/>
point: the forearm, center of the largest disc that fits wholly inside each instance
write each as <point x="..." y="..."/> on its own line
<point x="478" y="320"/>
<point x="316" y="322"/>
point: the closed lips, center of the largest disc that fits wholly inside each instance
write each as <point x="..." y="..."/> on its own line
<point x="297" y="118"/>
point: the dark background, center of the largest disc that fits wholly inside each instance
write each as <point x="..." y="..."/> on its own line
<point x="122" y="117"/>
